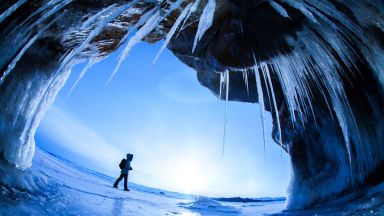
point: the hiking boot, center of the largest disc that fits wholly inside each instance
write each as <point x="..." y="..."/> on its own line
<point x="115" y="186"/>
<point x="126" y="189"/>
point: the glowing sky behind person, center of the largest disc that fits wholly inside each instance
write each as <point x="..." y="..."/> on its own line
<point x="172" y="125"/>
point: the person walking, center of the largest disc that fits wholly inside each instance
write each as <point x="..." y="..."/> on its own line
<point x="125" y="166"/>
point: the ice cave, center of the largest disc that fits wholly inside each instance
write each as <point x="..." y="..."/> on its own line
<point x="315" y="66"/>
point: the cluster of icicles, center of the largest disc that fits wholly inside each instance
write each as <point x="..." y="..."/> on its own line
<point x="317" y="48"/>
<point x="314" y="58"/>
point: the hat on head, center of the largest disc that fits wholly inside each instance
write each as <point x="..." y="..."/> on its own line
<point x="129" y="156"/>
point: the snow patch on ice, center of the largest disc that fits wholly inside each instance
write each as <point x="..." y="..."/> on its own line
<point x="205" y="205"/>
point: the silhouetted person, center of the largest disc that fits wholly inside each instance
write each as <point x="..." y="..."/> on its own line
<point x="125" y="166"/>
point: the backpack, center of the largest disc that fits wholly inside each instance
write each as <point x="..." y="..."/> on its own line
<point x="122" y="164"/>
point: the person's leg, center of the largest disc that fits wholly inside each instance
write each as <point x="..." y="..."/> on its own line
<point x="118" y="180"/>
<point x="126" y="182"/>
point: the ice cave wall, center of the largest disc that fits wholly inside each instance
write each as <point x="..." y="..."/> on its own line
<point x="323" y="62"/>
<point x="317" y="67"/>
<point x="41" y="41"/>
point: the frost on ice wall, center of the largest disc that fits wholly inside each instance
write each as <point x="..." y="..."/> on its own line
<point x="316" y="66"/>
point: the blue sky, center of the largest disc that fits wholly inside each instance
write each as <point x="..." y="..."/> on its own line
<point x="172" y="125"/>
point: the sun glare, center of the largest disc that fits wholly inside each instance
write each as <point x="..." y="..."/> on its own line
<point x="189" y="177"/>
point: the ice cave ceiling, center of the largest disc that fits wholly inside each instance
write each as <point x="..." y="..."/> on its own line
<point x="317" y="66"/>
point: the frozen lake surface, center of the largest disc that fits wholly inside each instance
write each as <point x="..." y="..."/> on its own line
<point x="74" y="190"/>
<point x="60" y="187"/>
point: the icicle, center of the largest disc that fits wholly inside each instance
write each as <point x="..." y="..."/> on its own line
<point x="24" y="49"/>
<point x="299" y="6"/>
<point x="90" y="21"/>
<point x="338" y="108"/>
<point x="314" y="59"/>
<point x="245" y="76"/>
<point x="141" y="33"/>
<point x="268" y="94"/>
<point x="280" y="9"/>
<point x="19" y="35"/>
<point x="261" y="103"/>
<point x="266" y="74"/>
<point x="226" y="109"/>
<point x="173" y="7"/>
<point x="222" y="80"/>
<point x="206" y="21"/>
<point x="191" y="10"/>
<point x="172" y="31"/>
<point x="91" y="62"/>
<point x="100" y="26"/>
<point x="39" y="10"/>
<point x="11" y="9"/>
<point x="282" y="70"/>
<point x="331" y="11"/>
<point x="47" y="15"/>
<point x="194" y="7"/>
<point x="143" y="19"/>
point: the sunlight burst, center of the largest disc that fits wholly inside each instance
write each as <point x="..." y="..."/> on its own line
<point x="189" y="177"/>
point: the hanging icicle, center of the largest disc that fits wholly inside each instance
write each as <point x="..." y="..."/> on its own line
<point x="191" y="10"/>
<point x="90" y="63"/>
<point x="266" y="73"/>
<point x="261" y="103"/>
<point x="11" y="9"/>
<point x="206" y="21"/>
<point x="226" y="109"/>
<point x="172" y="31"/>
<point x="147" y="28"/>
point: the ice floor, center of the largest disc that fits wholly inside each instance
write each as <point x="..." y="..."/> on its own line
<point x="62" y="188"/>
